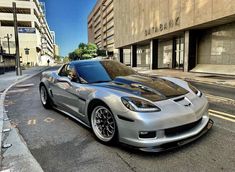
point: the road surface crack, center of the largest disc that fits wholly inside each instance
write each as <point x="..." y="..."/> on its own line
<point x="127" y="163"/>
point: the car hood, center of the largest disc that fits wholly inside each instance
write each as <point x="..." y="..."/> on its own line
<point x="151" y="88"/>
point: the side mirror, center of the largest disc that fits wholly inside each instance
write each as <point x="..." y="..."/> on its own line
<point x="64" y="79"/>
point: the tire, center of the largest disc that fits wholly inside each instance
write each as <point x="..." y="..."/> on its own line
<point x="45" y="98"/>
<point x="103" y="125"/>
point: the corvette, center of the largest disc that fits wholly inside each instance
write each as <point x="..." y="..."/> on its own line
<point x="148" y="113"/>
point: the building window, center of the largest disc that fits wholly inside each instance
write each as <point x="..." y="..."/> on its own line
<point x="165" y="54"/>
<point x="217" y="45"/>
<point x="18" y="10"/>
<point x="143" y="56"/>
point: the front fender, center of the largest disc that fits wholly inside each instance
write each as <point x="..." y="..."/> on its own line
<point x="113" y="101"/>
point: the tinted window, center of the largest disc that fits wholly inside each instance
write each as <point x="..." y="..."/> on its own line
<point x="101" y="71"/>
<point x="63" y="71"/>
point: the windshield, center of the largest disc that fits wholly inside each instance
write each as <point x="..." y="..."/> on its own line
<point x="101" y="71"/>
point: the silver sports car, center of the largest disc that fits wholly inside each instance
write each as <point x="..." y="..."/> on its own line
<point x="148" y="113"/>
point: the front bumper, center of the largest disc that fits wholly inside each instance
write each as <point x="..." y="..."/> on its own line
<point x="178" y="143"/>
<point x="175" y="125"/>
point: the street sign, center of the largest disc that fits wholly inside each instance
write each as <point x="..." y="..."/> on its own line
<point x="26" y="51"/>
<point x="26" y="30"/>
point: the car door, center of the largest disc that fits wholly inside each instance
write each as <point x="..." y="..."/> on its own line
<point x="65" y="91"/>
<point x="57" y="87"/>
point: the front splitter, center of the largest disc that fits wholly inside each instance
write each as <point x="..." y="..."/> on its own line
<point x="179" y="143"/>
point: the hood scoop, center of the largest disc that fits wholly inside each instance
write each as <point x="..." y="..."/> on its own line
<point x="183" y="101"/>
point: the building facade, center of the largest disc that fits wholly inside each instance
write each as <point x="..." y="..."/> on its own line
<point x="189" y="35"/>
<point x="101" y="26"/>
<point x="34" y="32"/>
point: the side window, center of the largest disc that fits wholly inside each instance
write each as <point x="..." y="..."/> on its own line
<point x="72" y="74"/>
<point x="63" y="71"/>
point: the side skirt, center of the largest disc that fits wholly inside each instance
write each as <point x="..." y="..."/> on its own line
<point x="75" y="118"/>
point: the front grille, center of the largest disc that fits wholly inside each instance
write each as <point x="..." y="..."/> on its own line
<point x="180" y="129"/>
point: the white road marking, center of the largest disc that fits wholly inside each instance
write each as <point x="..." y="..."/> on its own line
<point x="8" y="170"/>
<point x="17" y="91"/>
<point x="24" y="85"/>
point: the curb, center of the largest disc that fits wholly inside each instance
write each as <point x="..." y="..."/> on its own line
<point x="3" y="113"/>
<point x="209" y="83"/>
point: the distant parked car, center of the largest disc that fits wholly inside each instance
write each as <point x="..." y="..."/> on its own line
<point x="148" y="113"/>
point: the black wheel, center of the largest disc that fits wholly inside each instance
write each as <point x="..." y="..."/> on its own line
<point x="103" y="124"/>
<point x="45" y="98"/>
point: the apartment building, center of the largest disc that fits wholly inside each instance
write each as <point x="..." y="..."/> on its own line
<point x="34" y="32"/>
<point x="101" y="26"/>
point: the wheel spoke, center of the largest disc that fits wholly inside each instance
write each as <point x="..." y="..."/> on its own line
<point x="103" y="123"/>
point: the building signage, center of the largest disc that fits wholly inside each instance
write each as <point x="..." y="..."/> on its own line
<point x="163" y="26"/>
<point x="26" y="51"/>
<point x="26" y="30"/>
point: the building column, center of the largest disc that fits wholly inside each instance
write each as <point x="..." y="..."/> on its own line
<point x="121" y="55"/>
<point x="154" y="54"/>
<point x="192" y="49"/>
<point x="133" y="56"/>
<point x="186" y="50"/>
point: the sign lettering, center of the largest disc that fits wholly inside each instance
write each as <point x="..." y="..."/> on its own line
<point x="163" y="26"/>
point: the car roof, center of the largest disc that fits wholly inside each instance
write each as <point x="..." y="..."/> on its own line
<point x="86" y="62"/>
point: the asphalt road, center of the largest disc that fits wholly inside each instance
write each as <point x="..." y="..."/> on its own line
<point x="61" y="144"/>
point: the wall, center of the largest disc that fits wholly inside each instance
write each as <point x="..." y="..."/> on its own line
<point x="138" y="20"/>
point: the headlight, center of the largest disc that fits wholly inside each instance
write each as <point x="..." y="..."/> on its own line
<point x="195" y="90"/>
<point x="139" y="105"/>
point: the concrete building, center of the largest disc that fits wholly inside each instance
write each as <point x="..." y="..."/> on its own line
<point x="34" y="32"/>
<point x="56" y="50"/>
<point x="101" y="26"/>
<point x="189" y="35"/>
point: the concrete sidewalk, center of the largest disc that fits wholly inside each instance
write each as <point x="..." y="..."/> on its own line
<point x="17" y="157"/>
<point x="10" y="77"/>
<point x="215" y="79"/>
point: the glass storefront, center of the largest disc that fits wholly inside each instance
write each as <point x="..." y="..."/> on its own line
<point x="143" y="56"/>
<point x="171" y="53"/>
<point x="165" y="49"/>
<point x="217" y="45"/>
<point x="179" y="53"/>
<point x="127" y="57"/>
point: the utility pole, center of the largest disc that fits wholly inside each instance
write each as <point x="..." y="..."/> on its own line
<point x="18" y="69"/>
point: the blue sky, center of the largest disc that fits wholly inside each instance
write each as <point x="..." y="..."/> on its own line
<point x="68" y="18"/>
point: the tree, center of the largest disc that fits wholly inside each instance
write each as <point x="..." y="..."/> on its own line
<point x="73" y="56"/>
<point x="101" y="53"/>
<point x="66" y="59"/>
<point x="92" y="50"/>
<point x="58" y="58"/>
<point x="84" y="51"/>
